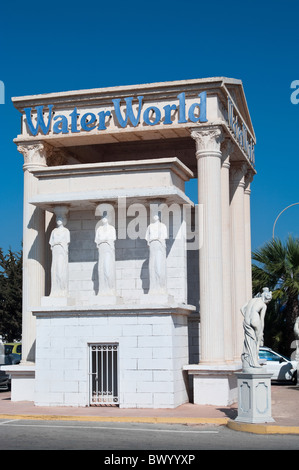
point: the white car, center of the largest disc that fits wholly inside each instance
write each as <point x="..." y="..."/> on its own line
<point x="282" y="368"/>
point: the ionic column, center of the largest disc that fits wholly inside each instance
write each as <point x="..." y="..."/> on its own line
<point x="227" y="149"/>
<point x="248" y="180"/>
<point x="208" y="155"/>
<point x="238" y="279"/>
<point x="33" y="247"/>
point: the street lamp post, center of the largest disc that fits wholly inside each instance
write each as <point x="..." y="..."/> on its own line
<point x="291" y="205"/>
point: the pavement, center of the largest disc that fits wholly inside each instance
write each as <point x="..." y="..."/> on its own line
<point x="284" y="398"/>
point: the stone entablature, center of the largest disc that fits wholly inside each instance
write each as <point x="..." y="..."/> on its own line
<point x="171" y="108"/>
<point x="87" y="184"/>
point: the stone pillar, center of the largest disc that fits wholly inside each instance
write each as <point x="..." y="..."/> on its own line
<point x="248" y="180"/>
<point x="239" y="291"/>
<point x="33" y="248"/>
<point x="254" y="398"/>
<point x="208" y="140"/>
<point x="227" y="149"/>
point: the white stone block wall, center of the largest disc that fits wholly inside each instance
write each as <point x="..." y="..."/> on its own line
<point x="153" y="349"/>
<point x="152" y="352"/>
<point x="132" y="277"/>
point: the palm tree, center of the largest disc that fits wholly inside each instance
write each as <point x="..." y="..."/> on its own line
<point x="278" y="268"/>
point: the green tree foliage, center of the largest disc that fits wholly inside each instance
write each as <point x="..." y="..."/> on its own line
<point x="277" y="267"/>
<point x="10" y="296"/>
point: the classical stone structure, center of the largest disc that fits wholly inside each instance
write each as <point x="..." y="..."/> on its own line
<point x="129" y="151"/>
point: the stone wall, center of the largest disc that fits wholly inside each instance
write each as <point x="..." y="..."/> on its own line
<point x="153" y="348"/>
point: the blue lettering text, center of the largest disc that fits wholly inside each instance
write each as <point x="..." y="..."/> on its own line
<point x="40" y="123"/>
<point x="60" y="126"/>
<point x="129" y="111"/>
<point x="88" y="124"/>
<point x="147" y="118"/>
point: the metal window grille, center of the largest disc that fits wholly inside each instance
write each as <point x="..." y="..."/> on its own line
<point x="104" y="374"/>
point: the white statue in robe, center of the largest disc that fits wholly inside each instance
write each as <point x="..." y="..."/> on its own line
<point x="59" y="241"/>
<point x="156" y="235"/>
<point x="296" y="333"/>
<point x="105" y="240"/>
<point x="254" y="315"/>
<point x="2" y="352"/>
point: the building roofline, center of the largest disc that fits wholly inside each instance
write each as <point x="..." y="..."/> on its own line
<point x="19" y="100"/>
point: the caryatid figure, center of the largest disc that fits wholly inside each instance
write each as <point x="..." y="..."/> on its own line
<point x="105" y="241"/>
<point x="254" y="316"/>
<point x="156" y="236"/>
<point x="59" y="242"/>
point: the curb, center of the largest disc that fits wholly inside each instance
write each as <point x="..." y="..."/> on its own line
<point x="262" y="428"/>
<point x="233" y="425"/>
<point x="121" y="419"/>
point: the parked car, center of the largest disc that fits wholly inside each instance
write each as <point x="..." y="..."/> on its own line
<point x="282" y="368"/>
<point x="13" y="353"/>
<point x="5" y="382"/>
<point x="13" y="348"/>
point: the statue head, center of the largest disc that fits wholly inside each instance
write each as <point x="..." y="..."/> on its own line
<point x="60" y="221"/>
<point x="266" y="295"/>
<point x="61" y="215"/>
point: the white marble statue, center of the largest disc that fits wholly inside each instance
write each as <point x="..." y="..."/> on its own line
<point x="59" y="241"/>
<point x="156" y="236"/>
<point x="105" y="240"/>
<point x="2" y="352"/>
<point x="254" y="315"/>
<point x="296" y="332"/>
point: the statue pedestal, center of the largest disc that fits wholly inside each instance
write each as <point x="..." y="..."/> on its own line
<point x="157" y="299"/>
<point x="254" y="397"/>
<point x="106" y="300"/>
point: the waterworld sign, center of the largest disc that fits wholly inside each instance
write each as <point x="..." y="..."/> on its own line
<point x="129" y="112"/>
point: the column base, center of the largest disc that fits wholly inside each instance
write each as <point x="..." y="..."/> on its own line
<point x="22" y="381"/>
<point x="254" y="397"/>
<point x="214" y="384"/>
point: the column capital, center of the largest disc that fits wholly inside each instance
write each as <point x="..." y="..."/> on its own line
<point x="237" y="173"/>
<point x="208" y="140"/>
<point x="35" y="155"/>
<point x="227" y="148"/>
<point x="248" y="180"/>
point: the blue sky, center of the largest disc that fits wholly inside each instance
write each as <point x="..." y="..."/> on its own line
<point x="68" y="46"/>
